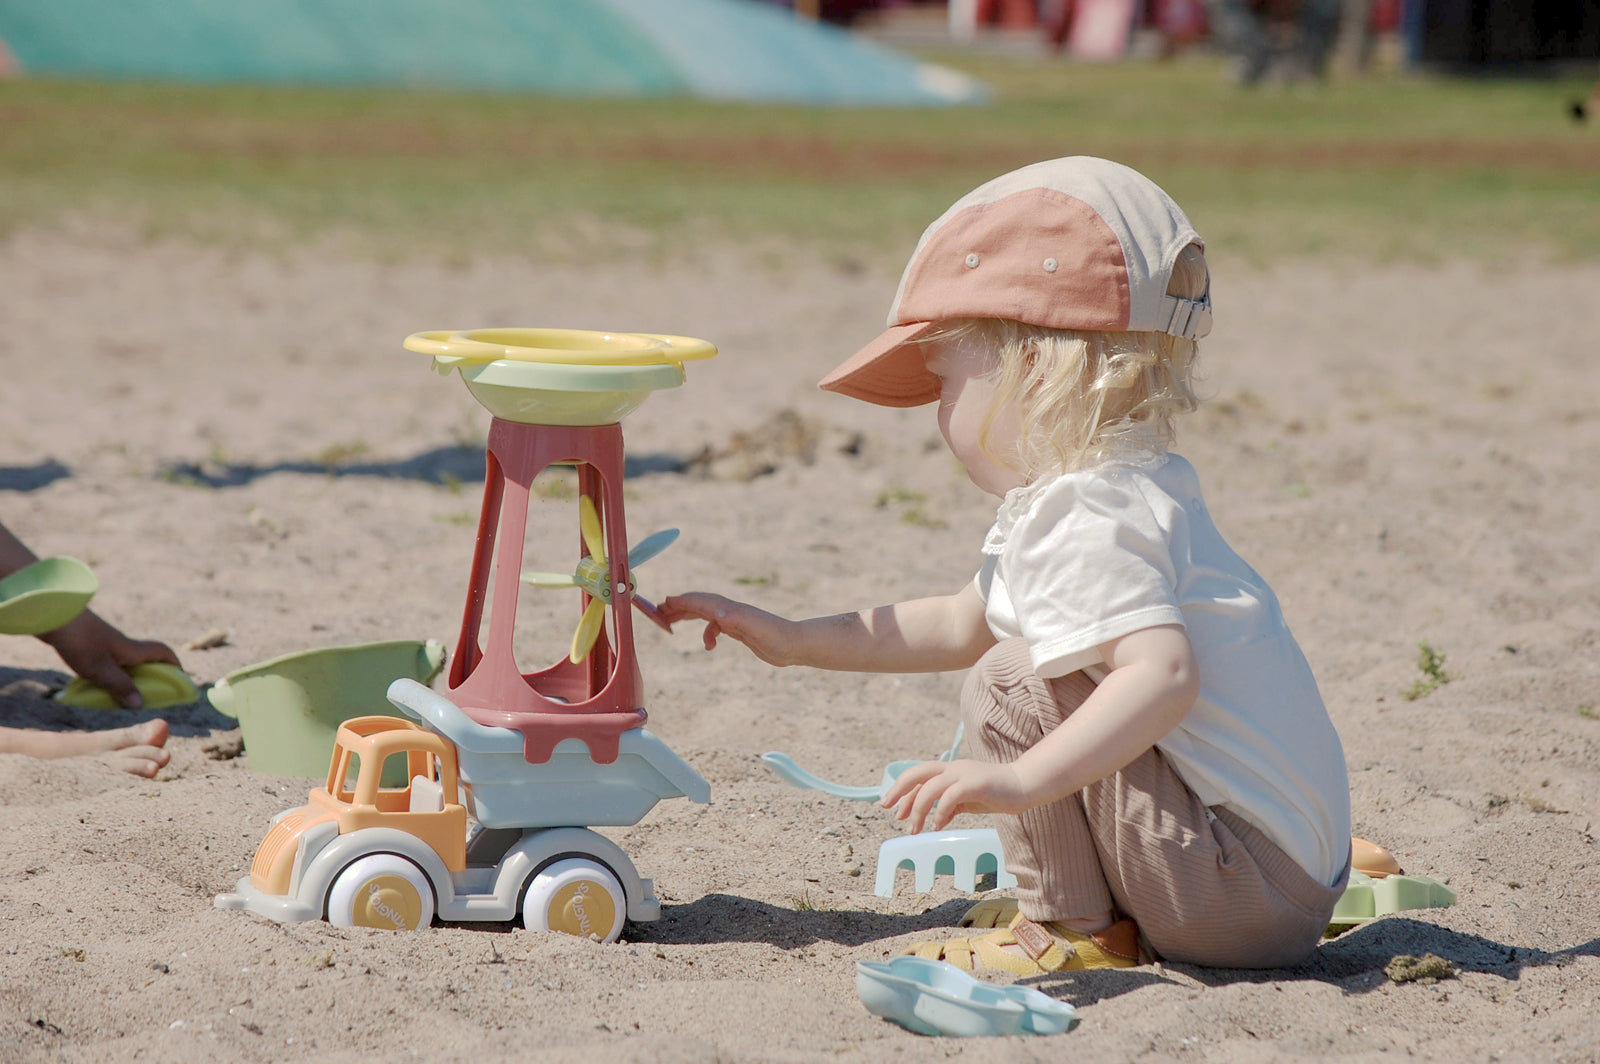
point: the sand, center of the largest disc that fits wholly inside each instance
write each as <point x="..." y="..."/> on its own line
<point x="236" y="442"/>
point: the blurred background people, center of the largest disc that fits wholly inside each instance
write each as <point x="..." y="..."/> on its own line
<point x="1288" y="38"/>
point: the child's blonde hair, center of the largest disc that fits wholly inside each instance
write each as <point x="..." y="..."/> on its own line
<point x="1085" y="397"/>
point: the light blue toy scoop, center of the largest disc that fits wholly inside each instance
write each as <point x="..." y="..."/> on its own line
<point x="786" y="767"/>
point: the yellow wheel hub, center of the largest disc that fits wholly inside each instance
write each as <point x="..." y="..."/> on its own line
<point x="583" y="908"/>
<point x="387" y="902"/>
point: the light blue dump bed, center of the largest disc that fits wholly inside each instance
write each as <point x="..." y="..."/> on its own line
<point x="570" y="790"/>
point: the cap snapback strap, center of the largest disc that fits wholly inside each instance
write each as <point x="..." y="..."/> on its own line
<point x="1188" y="318"/>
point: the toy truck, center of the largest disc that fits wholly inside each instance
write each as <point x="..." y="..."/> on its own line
<point x="476" y="833"/>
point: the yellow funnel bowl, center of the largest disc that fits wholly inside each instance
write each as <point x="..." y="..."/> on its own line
<point x="560" y="376"/>
<point x="571" y="347"/>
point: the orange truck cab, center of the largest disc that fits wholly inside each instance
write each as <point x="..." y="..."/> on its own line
<point x="366" y="751"/>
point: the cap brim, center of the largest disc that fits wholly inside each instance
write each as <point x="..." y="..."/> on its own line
<point x="890" y="371"/>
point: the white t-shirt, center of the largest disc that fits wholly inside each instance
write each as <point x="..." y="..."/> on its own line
<point x="1080" y="559"/>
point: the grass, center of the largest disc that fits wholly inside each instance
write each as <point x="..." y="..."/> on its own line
<point x="341" y="453"/>
<point x="1384" y="167"/>
<point x="909" y="503"/>
<point x="1430" y="663"/>
<point x="805" y="903"/>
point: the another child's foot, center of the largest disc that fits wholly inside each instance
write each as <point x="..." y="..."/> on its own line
<point x="138" y="748"/>
<point x="143" y="761"/>
<point x="1024" y="947"/>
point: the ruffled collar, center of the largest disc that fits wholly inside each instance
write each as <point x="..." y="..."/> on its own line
<point x="1013" y="508"/>
<point x="1019" y="501"/>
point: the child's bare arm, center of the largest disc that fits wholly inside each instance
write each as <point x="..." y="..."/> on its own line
<point x="923" y="635"/>
<point x="1153" y="682"/>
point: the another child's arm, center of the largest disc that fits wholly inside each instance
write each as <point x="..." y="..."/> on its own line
<point x="88" y="645"/>
<point x="923" y="635"/>
<point x="101" y="654"/>
<point x="1152" y="683"/>
<point x="14" y="554"/>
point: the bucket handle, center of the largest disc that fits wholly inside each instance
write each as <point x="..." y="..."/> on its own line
<point x="220" y="695"/>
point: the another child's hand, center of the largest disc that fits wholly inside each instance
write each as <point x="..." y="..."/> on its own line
<point x="931" y="794"/>
<point x="102" y="655"/>
<point x="770" y="637"/>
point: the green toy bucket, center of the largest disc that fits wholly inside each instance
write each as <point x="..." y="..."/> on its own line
<point x="290" y="707"/>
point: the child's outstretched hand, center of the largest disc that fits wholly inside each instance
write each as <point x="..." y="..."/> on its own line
<point x="102" y="655"/>
<point x="770" y="637"/>
<point x="931" y="794"/>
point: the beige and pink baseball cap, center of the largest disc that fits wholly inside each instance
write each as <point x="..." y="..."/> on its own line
<point x="1075" y="243"/>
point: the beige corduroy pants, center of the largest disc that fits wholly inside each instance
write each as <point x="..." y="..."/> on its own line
<point x="1204" y="886"/>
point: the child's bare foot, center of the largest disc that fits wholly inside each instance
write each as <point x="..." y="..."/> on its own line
<point x="138" y="748"/>
<point x="150" y="733"/>
<point x="143" y="761"/>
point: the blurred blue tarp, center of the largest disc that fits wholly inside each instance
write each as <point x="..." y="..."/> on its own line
<point x="735" y="50"/>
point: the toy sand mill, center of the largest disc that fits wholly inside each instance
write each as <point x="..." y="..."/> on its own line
<point x="506" y="771"/>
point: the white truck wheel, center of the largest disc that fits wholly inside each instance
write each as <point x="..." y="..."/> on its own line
<point x="576" y="896"/>
<point x="381" y="890"/>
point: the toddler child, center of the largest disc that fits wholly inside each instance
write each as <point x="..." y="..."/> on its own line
<point x="1163" y="774"/>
